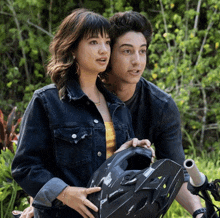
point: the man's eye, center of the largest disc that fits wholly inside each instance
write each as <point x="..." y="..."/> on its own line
<point x="127" y="51"/>
<point x="143" y="51"/>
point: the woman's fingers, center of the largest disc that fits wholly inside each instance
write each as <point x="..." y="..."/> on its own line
<point x="144" y="143"/>
<point x="92" y="190"/>
<point x="134" y="142"/>
<point x="76" y="198"/>
<point x="28" y="212"/>
<point x="89" y="204"/>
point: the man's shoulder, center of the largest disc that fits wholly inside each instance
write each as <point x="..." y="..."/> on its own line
<point x="153" y="92"/>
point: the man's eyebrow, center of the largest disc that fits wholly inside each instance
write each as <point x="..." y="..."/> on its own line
<point x="129" y="45"/>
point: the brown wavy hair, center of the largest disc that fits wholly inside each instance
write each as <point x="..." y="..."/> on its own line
<point x="76" y="26"/>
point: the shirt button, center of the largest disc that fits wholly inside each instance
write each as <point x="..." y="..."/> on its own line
<point x="88" y="103"/>
<point x="99" y="153"/>
<point x="96" y="121"/>
<point x="74" y="136"/>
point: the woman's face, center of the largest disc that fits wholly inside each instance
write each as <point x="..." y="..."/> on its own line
<point x="93" y="53"/>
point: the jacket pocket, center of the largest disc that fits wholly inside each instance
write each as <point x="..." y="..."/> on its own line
<point x="73" y="146"/>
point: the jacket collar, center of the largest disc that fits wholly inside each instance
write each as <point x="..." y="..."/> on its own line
<point x="74" y="92"/>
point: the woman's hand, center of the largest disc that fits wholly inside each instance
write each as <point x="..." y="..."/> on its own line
<point x="144" y="143"/>
<point x="27" y="213"/>
<point x="76" y="198"/>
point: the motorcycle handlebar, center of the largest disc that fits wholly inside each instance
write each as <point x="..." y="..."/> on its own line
<point x="197" y="178"/>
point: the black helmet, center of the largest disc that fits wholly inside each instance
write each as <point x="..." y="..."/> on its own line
<point x="133" y="188"/>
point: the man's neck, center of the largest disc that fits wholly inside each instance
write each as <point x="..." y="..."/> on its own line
<point x="124" y="91"/>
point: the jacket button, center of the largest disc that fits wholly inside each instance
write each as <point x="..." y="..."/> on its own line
<point x="74" y="136"/>
<point x="96" y="121"/>
<point x="99" y="153"/>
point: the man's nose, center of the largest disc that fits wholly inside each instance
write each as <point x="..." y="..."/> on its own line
<point x="136" y="58"/>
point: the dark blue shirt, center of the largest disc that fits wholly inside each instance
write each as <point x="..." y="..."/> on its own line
<point x="156" y="117"/>
<point x="62" y="142"/>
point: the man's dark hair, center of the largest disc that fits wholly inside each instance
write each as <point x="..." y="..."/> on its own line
<point x="124" y="22"/>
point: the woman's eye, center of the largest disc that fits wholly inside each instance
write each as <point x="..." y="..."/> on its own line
<point x="93" y="42"/>
<point x="108" y="42"/>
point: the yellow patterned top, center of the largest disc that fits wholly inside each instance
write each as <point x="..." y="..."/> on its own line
<point x="110" y="139"/>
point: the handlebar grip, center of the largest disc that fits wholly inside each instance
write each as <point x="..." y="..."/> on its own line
<point x="197" y="178"/>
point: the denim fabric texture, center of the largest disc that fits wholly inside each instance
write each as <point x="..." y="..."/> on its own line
<point x="156" y="117"/>
<point x="62" y="142"/>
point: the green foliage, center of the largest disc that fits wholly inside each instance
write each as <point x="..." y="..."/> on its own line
<point x="11" y="195"/>
<point x="184" y="60"/>
<point x="184" y="56"/>
<point x="209" y="165"/>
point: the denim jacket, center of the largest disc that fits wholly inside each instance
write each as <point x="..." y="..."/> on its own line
<point x="62" y="142"/>
<point x="156" y="117"/>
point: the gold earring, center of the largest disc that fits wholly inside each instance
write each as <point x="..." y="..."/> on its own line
<point x="77" y="68"/>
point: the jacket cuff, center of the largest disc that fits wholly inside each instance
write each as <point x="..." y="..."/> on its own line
<point x="48" y="193"/>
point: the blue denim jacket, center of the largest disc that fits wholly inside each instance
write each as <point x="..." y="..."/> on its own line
<point x="62" y="142"/>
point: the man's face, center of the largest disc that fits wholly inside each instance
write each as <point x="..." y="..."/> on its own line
<point x="128" y="59"/>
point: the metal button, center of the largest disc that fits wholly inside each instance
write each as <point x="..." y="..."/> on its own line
<point x="96" y="121"/>
<point x="74" y="136"/>
<point x="99" y="153"/>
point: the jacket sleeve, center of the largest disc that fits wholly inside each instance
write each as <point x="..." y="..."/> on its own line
<point x="34" y="163"/>
<point x="168" y="140"/>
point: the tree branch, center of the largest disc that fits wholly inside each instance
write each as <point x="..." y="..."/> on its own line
<point x="197" y="16"/>
<point x="204" y="39"/>
<point x="165" y="23"/>
<point x="204" y="116"/>
<point x="10" y="5"/>
<point x="38" y="27"/>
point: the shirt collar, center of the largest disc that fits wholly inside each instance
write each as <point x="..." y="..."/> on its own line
<point x="74" y="92"/>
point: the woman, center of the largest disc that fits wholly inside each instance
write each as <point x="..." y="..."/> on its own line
<point x="65" y="130"/>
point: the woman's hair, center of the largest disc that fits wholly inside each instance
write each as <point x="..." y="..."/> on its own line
<point x="123" y="22"/>
<point x="80" y="24"/>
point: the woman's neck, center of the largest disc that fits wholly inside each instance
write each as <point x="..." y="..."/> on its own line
<point x="88" y="85"/>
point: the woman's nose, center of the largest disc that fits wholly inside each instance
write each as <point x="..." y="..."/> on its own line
<point x="103" y="48"/>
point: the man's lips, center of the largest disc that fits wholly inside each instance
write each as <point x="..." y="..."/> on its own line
<point x="134" y="71"/>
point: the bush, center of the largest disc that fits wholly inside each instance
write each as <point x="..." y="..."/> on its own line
<point x="209" y="165"/>
<point x="11" y="194"/>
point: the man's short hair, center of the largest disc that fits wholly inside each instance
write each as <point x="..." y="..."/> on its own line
<point x="123" y="22"/>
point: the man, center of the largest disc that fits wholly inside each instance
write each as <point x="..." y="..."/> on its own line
<point x="155" y="114"/>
